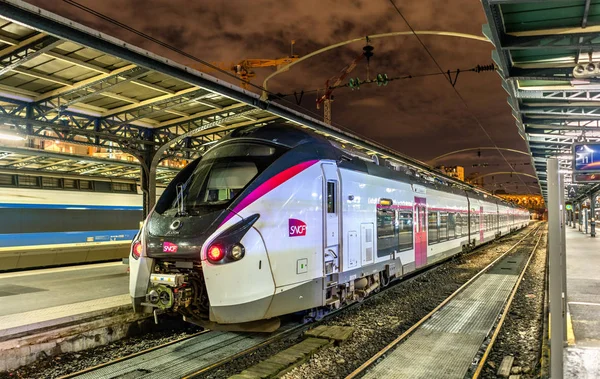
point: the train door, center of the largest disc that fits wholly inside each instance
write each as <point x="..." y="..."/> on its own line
<point x="420" y="232"/>
<point x="481" y="218"/>
<point x="331" y="224"/>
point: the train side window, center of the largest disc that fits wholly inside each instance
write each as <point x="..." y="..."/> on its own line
<point x="387" y="232"/>
<point x="28" y="181"/>
<point x="443" y="231"/>
<point x="459" y="225"/>
<point x="330" y="197"/>
<point x="69" y="184"/>
<point x="405" y="231"/>
<point x="7" y="180"/>
<point x="86" y="185"/>
<point x="48" y="182"/>
<point x="432" y="225"/>
<point x="452" y="225"/>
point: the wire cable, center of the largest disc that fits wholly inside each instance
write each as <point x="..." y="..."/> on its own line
<point x="473" y="116"/>
<point x="402" y="77"/>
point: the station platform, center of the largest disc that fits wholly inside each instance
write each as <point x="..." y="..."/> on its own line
<point x="38" y="299"/>
<point x="582" y="357"/>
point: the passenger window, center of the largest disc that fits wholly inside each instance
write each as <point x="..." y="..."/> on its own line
<point x="433" y="227"/>
<point x="451" y="225"/>
<point x="330" y="197"/>
<point x="387" y="232"/>
<point x="405" y="231"/>
<point x="443" y="232"/>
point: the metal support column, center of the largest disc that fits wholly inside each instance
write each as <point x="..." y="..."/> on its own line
<point x="148" y="185"/>
<point x="592" y="215"/>
<point x="555" y="271"/>
<point x="563" y="253"/>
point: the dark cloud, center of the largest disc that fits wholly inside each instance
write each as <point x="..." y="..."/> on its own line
<point x="421" y="117"/>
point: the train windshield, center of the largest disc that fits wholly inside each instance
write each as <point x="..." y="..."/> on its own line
<point x="223" y="173"/>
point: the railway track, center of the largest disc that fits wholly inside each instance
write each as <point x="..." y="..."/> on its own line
<point x="441" y="358"/>
<point x="201" y="353"/>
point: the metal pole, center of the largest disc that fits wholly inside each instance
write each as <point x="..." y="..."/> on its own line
<point x="554" y="248"/>
<point x="563" y="254"/>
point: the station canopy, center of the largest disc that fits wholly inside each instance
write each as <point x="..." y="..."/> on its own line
<point x="538" y="45"/>
<point x="83" y="99"/>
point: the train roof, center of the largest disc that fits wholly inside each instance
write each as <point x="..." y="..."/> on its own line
<point x="278" y="133"/>
<point x="291" y="136"/>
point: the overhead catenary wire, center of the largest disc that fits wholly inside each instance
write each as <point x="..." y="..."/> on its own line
<point x="477" y="69"/>
<point x="473" y="116"/>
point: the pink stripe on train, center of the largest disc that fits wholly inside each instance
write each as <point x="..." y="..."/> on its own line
<point x="269" y="185"/>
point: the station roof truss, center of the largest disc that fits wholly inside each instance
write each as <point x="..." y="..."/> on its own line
<point x="26" y="161"/>
<point x="538" y="44"/>
<point x="60" y="80"/>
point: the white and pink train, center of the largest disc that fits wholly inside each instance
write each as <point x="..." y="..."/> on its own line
<point x="275" y="219"/>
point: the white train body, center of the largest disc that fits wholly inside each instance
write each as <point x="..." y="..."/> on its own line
<point x="315" y="228"/>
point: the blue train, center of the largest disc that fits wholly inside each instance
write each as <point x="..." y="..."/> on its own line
<point x="50" y="221"/>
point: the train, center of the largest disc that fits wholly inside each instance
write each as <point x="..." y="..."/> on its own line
<point x="275" y="220"/>
<point x="52" y="219"/>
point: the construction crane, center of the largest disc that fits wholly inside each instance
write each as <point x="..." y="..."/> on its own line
<point x="335" y="81"/>
<point x="243" y="69"/>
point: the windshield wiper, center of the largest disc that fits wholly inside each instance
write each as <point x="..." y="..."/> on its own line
<point x="180" y="203"/>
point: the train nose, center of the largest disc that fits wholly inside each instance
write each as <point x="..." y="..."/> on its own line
<point x="250" y="272"/>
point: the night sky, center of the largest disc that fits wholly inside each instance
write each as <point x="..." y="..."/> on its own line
<point x="421" y="117"/>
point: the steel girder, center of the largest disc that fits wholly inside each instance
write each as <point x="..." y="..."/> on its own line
<point x="579" y="123"/>
<point x="578" y="95"/>
<point x="27" y="52"/>
<point x="70" y="164"/>
<point x="155" y="107"/>
<point x="578" y="113"/>
<point x="32" y="120"/>
<point x="63" y="99"/>
<point x="574" y="41"/>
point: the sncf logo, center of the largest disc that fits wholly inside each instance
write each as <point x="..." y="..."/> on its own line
<point x="169" y="247"/>
<point x="297" y="228"/>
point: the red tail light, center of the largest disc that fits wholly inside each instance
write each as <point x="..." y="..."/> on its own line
<point x="215" y="253"/>
<point x="136" y="251"/>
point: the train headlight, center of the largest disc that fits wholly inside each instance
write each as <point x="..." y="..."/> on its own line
<point x="237" y="251"/>
<point x="215" y="253"/>
<point x="136" y="250"/>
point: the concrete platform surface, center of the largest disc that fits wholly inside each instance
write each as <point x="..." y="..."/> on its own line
<point x="583" y="297"/>
<point x="28" y="291"/>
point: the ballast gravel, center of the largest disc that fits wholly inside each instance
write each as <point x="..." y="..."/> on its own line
<point x="63" y="364"/>
<point x="380" y="319"/>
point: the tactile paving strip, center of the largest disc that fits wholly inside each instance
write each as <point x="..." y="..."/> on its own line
<point x="445" y="345"/>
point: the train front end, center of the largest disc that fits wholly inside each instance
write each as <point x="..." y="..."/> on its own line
<point x="199" y="252"/>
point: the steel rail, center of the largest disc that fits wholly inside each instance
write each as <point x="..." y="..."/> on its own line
<point x="126" y="357"/>
<point x="505" y="312"/>
<point x="408" y="332"/>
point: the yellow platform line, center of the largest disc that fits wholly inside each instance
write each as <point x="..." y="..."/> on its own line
<point x="570" y="334"/>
